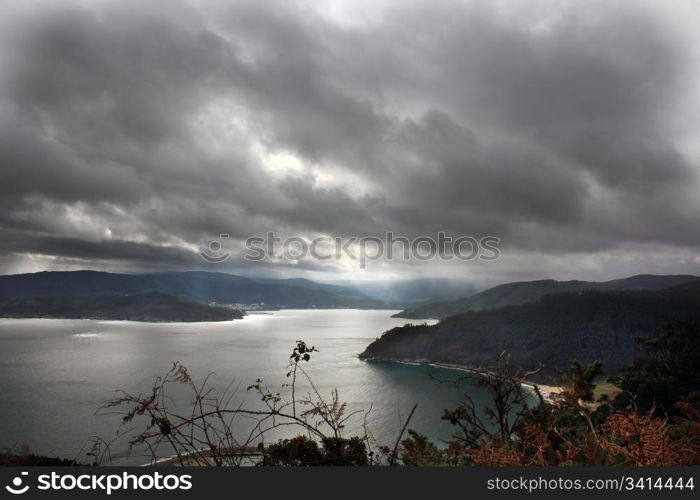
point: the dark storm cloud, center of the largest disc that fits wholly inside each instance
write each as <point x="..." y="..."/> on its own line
<point x="135" y="133"/>
<point x="84" y="250"/>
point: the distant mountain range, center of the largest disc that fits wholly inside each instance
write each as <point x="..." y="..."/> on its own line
<point x="146" y="306"/>
<point x="200" y="294"/>
<point x="194" y="286"/>
<point x="522" y="292"/>
<point x="587" y="325"/>
<point x="225" y="288"/>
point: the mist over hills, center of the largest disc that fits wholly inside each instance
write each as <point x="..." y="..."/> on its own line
<point x="522" y="292"/>
<point x="413" y="291"/>
<point x="228" y="288"/>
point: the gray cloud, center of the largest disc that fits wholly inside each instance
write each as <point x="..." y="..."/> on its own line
<point x="132" y="135"/>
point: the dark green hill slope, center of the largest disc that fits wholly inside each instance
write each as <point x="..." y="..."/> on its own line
<point x="584" y="325"/>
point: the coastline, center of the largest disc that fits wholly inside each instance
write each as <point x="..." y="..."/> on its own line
<point x="548" y="392"/>
<point x="111" y="319"/>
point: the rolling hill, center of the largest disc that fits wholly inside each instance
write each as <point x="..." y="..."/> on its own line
<point x="195" y="286"/>
<point x="147" y="306"/>
<point x="522" y="292"/>
<point x="586" y="325"/>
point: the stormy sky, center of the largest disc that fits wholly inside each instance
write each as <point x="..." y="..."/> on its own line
<point x="133" y="133"/>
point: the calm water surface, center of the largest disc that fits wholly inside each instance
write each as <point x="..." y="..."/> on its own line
<point x="55" y="373"/>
